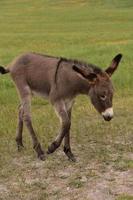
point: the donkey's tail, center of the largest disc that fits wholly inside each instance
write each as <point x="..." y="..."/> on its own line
<point x="3" y="70"/>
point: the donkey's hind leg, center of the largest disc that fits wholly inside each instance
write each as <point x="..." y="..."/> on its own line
<point x="25" y="93"/>
<point x="19" y="138"/>
<point x="28" y="122"/>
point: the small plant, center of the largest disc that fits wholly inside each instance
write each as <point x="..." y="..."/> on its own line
<point x="76" y="183"/>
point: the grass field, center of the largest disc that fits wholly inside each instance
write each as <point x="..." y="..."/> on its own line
<point x="94" y="31"/>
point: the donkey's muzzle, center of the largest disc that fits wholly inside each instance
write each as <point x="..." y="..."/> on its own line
<point x="108" y="114"/>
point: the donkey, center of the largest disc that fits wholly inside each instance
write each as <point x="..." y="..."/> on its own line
<point x="60" y="80"/>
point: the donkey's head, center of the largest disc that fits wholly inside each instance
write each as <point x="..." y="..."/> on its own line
<point x="101" y="88"/>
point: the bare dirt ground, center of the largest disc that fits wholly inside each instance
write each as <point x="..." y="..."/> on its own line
<point x="58" y="178"/>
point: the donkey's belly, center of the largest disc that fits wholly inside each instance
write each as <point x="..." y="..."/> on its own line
<point x="39" y="86"/>
<point x="41" y="94"/>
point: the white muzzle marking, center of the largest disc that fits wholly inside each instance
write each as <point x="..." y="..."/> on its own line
<point x="108" y="112"/>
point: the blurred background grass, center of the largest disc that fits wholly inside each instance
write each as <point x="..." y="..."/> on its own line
<point x="93" y="30"/>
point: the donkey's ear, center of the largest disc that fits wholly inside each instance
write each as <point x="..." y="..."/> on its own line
<point x="85" y="73"/>
<point x="80" y="70"/>
<point x="114" y="64"/>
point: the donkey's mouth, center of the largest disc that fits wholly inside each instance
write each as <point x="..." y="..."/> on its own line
<point x="107" y="118"/>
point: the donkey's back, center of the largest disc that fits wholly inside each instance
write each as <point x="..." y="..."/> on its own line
<point x="34" y="70"/>
<point x="48" y="76"/>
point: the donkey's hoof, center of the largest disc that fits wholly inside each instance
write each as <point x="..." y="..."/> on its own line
<point x="20" y="147"/>
<point x="69" y="154"/>
<point x="42" y="157"/>
<point x="52" y="147"/>
<point x="72" y="158"/>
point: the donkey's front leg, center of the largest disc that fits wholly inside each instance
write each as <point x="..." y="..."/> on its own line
<point x="61" y="111"/>
<point x="67" y="147"/>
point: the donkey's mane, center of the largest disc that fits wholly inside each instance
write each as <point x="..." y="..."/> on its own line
<point x="79" y="63"/>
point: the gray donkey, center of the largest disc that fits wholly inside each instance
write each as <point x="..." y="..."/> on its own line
<point x="60" y="80"/>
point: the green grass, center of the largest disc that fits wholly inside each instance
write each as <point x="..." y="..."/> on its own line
<point x="125" y="197"/>
<point x="86" y="30"/>
<point x="94" y="31"/>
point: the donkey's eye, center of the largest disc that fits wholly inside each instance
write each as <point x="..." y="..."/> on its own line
<point x="103" y="97"/>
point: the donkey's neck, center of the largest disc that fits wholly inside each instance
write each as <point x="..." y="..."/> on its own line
<point x="69" y="83"/>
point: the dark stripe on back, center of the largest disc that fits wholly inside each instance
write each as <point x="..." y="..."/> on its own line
<point x="57" y="68"/>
